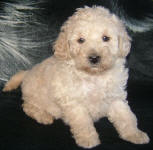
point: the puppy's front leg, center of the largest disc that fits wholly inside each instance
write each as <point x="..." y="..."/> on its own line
<point x="126" y="123"/>
<point x="81" y="125"/>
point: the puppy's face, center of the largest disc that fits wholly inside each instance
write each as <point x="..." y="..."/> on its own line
<point x="93" y="46"/>
<point x="93" y="40"/>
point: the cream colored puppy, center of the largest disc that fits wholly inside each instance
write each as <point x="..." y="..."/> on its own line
<point x="85" y="80"/>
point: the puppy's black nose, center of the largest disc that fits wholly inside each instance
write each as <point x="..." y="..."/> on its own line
<point x="94" y="59"/>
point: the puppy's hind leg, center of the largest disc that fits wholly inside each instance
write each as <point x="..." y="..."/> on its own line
<point x="125" y="123"/>
<point x="38" y="114"/>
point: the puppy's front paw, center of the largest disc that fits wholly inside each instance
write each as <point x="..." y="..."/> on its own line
<point x="138" y="137"/>
<point x="88" y="142"/>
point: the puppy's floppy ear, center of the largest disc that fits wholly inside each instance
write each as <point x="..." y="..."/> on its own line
<point x="61" y="46"/>
<point x="124" y="43"/>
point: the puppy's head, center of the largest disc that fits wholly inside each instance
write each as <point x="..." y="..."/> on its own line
<point x="94" y="39"/>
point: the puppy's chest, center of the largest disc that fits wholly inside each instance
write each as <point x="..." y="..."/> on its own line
<point x="95" y="88"/>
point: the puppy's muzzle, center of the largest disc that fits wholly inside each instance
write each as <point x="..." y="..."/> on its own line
<point x="94" y="59"/>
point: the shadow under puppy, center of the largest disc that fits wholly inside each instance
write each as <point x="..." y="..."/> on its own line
<point x="85" y="80"/>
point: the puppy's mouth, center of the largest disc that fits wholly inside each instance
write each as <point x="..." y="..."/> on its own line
<point x="97" y="64"/>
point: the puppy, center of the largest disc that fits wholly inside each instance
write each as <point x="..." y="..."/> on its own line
<point x="85" y="80"/>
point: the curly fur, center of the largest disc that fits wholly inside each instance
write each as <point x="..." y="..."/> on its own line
<point x="70" y="87"/>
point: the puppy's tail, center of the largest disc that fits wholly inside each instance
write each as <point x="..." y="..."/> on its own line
<point x="15" y="81"/>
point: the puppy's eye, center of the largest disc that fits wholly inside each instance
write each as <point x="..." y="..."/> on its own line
<point x="81" y="40"/>
<point x="105" y="38"/>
